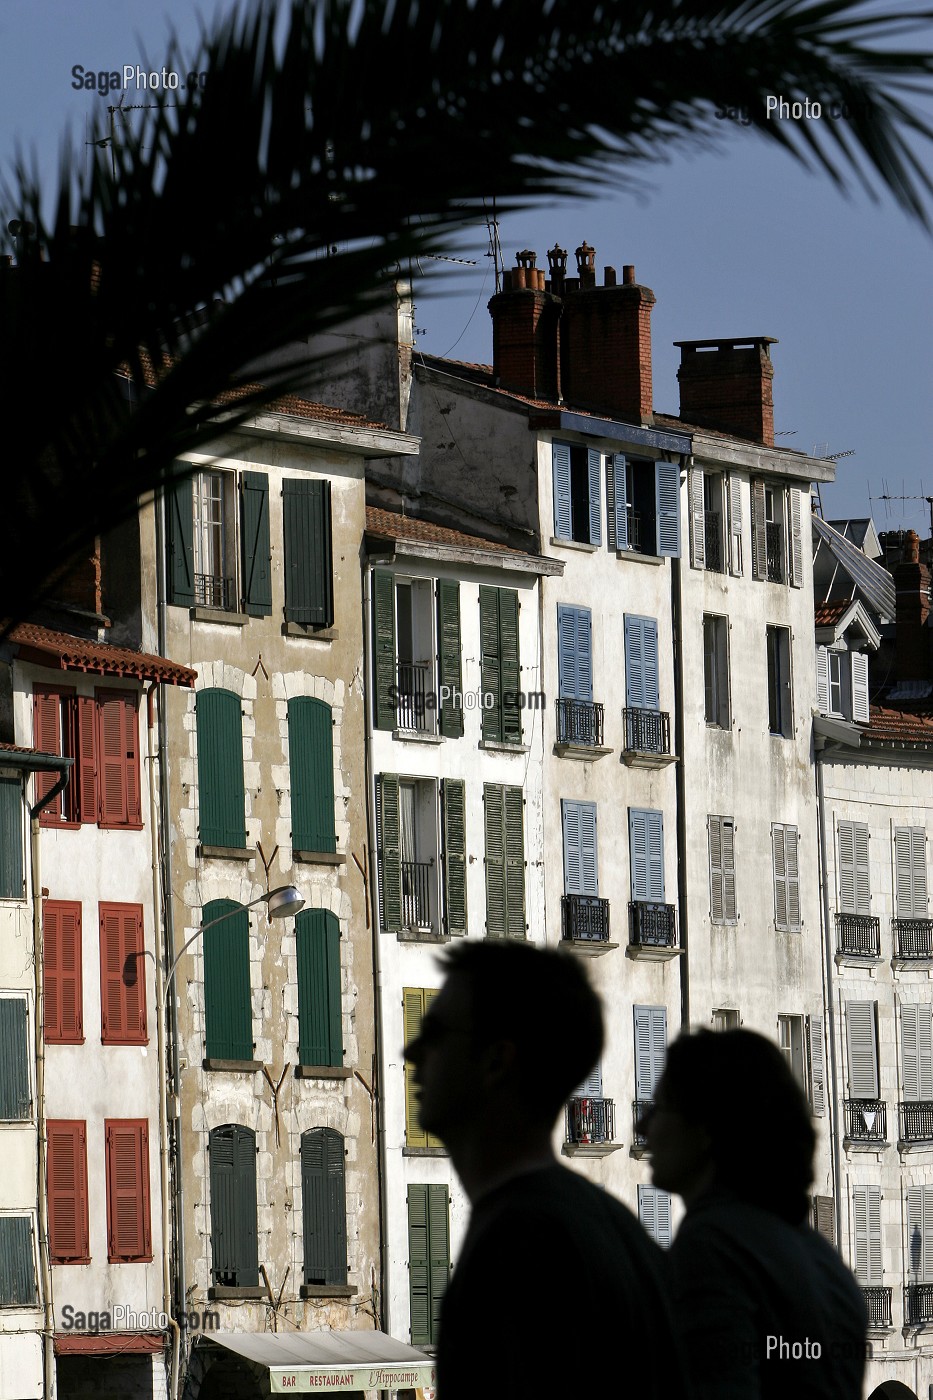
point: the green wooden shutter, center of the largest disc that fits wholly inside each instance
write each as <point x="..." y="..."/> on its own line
<point x="221" y="793"/>
<point x="454" y="818"/>
<point x="384" y="655"/>
<point x="17" y="1265"/>
<point x="311" y="769"/>
<point x="11" y="838"/>
<point x="320" y="1024"/>
<point x="449" y="671"/>
<point x="309" y="585"/>
<point x="491" y="664"/>
<point x="494" y="822"/>
<point x="15" y="1099"/>
<point x="511" y="668"/>
<point x="228" y="1014"/>
<point x="257" y="552"/>
<point x="390" y="854"/>
<point x="863" y="1049"/>
<point x="438" y="1252"/>
<point x="324" y="1206"/>
<point x="179" y="502"/>
<point x="514" y="814"/>
<point x="428" y="1259"/>
<point x="234" y="1248"/>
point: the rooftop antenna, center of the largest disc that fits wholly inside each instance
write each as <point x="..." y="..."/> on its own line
<point x="495" y="247"/>
<point x="929" y="500"/>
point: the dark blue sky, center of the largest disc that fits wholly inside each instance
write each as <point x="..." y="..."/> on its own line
<point x="739" y="242"/>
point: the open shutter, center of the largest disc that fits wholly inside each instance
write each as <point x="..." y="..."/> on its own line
<point x="11" y="838"/>
<point x="862" y="872"/>
<point x="390" y="853"/>
<point x="780" y="876"/>
<point x="634" y="663"/>
<point x="796" y="539"/>
<point x="860" y="707"/>
<point x="47" y="737"/>
<point x="128" y="1224"/>
<point x="453" y="797"/>
<point x="735" y="524"/>
<point x="822" y="680"/>
<point x="311" y="769"/>
<point x="759" y="531"/>
<point x="244" y="1175"/>
<point x="222" y="1151"/>
<point x="324" y="1206"/>
<point x="514" y="820"/>
<point x="594" y="462"/>
<point x="83" y="788"/>
<point x="584" y="655"/>
<point x="221" y="792"/>
<point x="655" y="853"/>
<point x="638" y="852"/>
<point x="309" y="586"/>
<point x="491" y="666"/>
<point x="588" y="867"/>
<point x="15" y="1098"/>
<point x="915" y="1233"/>
<point x="320" y="1024"/>
<point x="228" y="1014"/>
<point x="384" y="654"/>
<point x="616" y="514"/>
<point x="697" y="519"/>
<point x="511" y="669"/>
<point x="817" y="1069"/>
<point x="257" y="552"/>
<point x="847" y="867"/>
<point x="123" y="1006"/>
<point x="113" y="731"/>
<point x="667" y="497"/>
<point x="730" y="903"/>
<point x="449" y="671"/>
<point x="863" y="1049"/>
<point x="61" y="966"/>
<point x="650" y="1048"/>
<point x="567" y="652"/>
<point x="563" y="517"/>
<point x="786" y="876"/>
<point x="179" y="501"/>
<point x="793" y="877"/>
<point x="66" y="1162"/>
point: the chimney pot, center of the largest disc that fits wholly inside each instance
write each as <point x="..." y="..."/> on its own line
<point x="526" y="258"/>
<point x="586" y="264"/>
<point x="609" y="277"/>
<point x="628" y="275"/>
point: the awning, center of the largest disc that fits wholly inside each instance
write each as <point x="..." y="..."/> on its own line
<point x="323" y="1361"/>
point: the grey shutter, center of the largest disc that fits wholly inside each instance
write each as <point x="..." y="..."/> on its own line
<point x="449" y="649"/>
<point x="910" y="872"/>
<point x="514" y="833"/>
<point x="592" y="1085"/>
<point x="179" y="504"/>
<point x="759" y="531"/>
<point x="792" y="877"/>
<point x="654" y="1212"/>
<point x="863" y="1049"/>
<point x="860" y="706"/>
<point x="847" y="867"/>
<point x="563" y="518"/>
<point x="722" y="870"/>
<point x="616" y="516"/>
<point x="584" y="656"/>
<point x="11" y="838"/>
<point x="454" y="819"/>
<point x="822" y="680"/>
<point x="256" y="549"/>
<point x="824" y="1218"/>
<point x="17" y="1264"/>
<point x="491" y="663"/>
<point x="735" y="524"/>
<point x="390" y="853"/>
<point x="920" y="1233"/>
<point x="862" y="870"/>
<point x="594" y="462"/>
<point x="917" y="1050"/>
<point x="384" y="673"/>
<point x="646" y="855"/>
<point x="796" y="539"/>
<point x="817" y="1066"/>
<point x="642" y="681"/>
<point x="786" y="876"/>
<point x="580" y="868"/>
<point x="866" y="1210"/>
<point x="324" y="1207"/>
<point x="730" y="903"/>
<point x="574" y="653"/>
<point x="309" y="574"/>
<point x="15" y="1099"/>
<point x="650" y="1048"/>
<point x="697" y="501"/>
<point x="667" y="498"/>
<point x="780" y="876"/>
<point x="511" y="720"/>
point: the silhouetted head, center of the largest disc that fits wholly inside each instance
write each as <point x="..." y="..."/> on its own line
<point x="729" y="1112"/>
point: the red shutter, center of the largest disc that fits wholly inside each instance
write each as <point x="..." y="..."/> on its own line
<point x="128" y="1229"/>
<point x="47" y="736"/>
<point x="67" y="1188"/>
<point x="131" y="759"/>
<point x="83" y="786"/>
<point x="118" y="758"/>
<point x="123" y="1007"/>
<point x="61" y="966"/>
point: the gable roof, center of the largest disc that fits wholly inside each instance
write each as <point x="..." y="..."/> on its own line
<point x="869" y="579"/>
<point x="409" y="535"/>
<point x="61" y="650"/>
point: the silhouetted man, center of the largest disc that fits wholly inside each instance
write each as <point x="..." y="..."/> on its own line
<point x="557" y="1287"/>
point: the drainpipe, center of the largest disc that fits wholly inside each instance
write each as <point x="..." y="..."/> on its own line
<point x="828" y="994"/>
<point x="677" y="641"/>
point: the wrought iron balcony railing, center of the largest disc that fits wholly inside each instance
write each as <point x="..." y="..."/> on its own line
<point x="913" y="938"/>
<point x="652" y="925"/>
<point x="213" y="591"/>
<point x="590" y="1120"/>
<point x="774" y="558"/>
<point x="416" y="894"/>
<point x="580" y="722"/>
<point x="878" y="1306"/>
<point x="633" y="519"/>
<point x="918" y="1304"/>
<point x="585" y="916"/>
<point x="647" y="731"/>
<point x="858" y="934"/>
<point x="413" y="685"/>
<point x="712" y="527"/>
<point x="640" y="1110"/>
<point x="866" y="1120"/>
<point x="916" y="1116"/>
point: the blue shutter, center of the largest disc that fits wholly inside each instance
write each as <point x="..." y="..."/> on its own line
<point x="588" y="871"/>
<point x="584" y="655"/>
<point x="573" y="875"/>
<point x="650" y="1048"/>
<point x="646" y="852"/>
<point x="667" y="499"/>
<point x="574" y="653"/>
<point x="11" y="838"/>
<point x="634" y="668"/>
<point x="650" y="663"/>
<point x="594" y="461"/>
<point x="563" y="519"/>
<point x="616" y="512"/>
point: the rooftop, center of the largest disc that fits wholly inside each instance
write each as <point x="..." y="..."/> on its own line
<point x="68" y="653"/>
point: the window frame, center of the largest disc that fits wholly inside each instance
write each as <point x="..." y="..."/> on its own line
<point x="778" y="642"/>
<point x="717" y="689"/>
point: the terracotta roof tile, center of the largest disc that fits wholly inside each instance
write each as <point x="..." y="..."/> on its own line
<point x="77" y="654"/>
<point x="388" y="524"/>
<point x="828" y="614"/>
<point x="900" y="726"/>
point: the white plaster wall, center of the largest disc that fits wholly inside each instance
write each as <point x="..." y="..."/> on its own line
<point x="20" y="1364"/>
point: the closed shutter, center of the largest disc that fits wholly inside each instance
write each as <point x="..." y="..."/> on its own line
<point x="491" y="667"/>
<point x="11" y="838"/>
<point x="616" y="514"/>
<point x="228" y="1015"/>
<point x="15" y="1098"/>
<point x="234" y="1251"/>
<point x="786" y="876"/>
<point x="854" y="879"/>
<point x="594" y="464"/>
<point x="642" y="682"/>
<point x="822" y="680"/>
<point x="450" y="682"/>
<point x="910" y="872"/>
<point x="817" y="1065"/>
<point x="221" y="793"/>
<point x="866" y="1212"/>
<point x="824" y="1218"/>
<point x="86" y="790"/>
<point x="324" y="1207"/>
<point x="759" y="531"/>
<point x="654" y="1212"/>
<point x="917" y="1050"/>
<point x="415" y="1002"/>
<point x="646" y="855"/>
<point x="735" y="524"/>
<point x="47" y="737"/>
<point x="723" y="908"/>
<point x="257" y="552"/>
<point x="17" y="1262"/>
<point x="796" y="539"/>
<point x="122" y="998"/>
<point x="574" y="653"/>
<point x="860" y="707"/>
<point x="650" y="1048"/>
<point x="390" y="854"/>
<point x="515" y="862"/>
<point x="667" y="494"/>
<point x="320" y="1023"/>
<point x="580" y="866"/>
<point x="505" y="861"/>
<point x="63" y="1021"/>
<point x="66" y="1161"/>
<point x="592" y="1085"/>
<point x="920" y="1233"/>
<point x="563" y="514"/>
<point x="118" y="759"/>
<point x="453" y="813"/>
<point x="311" y="769"/>
<point x="384" y="669"/>
<point x="179" y="503"/>
<point x="128" y="1224"/>
<point x="863" y="1049"/>
<point x="309" y="579"/>
<point x="697" y="519"/>
<point x="428" y="1259"/>
<point x="511" y="723"/>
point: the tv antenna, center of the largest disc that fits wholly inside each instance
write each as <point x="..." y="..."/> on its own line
<point x="495" y="247"/>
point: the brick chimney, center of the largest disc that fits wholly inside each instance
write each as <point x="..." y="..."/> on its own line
<point x="525" y="318"/>
<point x="726" y="384"/>
<point x="605" y="341"/>
<point x="912" y="660"/>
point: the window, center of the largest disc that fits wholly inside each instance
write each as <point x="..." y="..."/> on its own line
<point x="404" y="649"/>
<point x="234" y="1246"/>
<point x="428" y="1259"/>
<point x="309" y="573"/>
<point x="574" y="653"/>
<point x="15" y="1095"/>
<point x="221" y="793"/>
<point x="823" y="1218"/>
<point x="646" y="855"/>
<point x="501" y="668"/>
<point x="453" y="821"/>
<point x="646" y="514"/>
<point x="219" y="555"/>
<point x="777" y="544"/>
<point x="722" y="896"/>
<point x="127" y="1165"/>
<point x="415" y="1002"/>
<point x="726" y="1018"/>
<point x="122" y="979"/>
<point x="17" y="1262"/>
<point x="786" y="876"/>
<point x="842" y="684"/>
<point x="579" y="828"/>
<point x="801" y="1041"/>
<point x="834" y="681"/>
<point x="406" y="810"/>
<point x="716" y="707"/>
<point x="320" y="1022"/>
<point x="650" y="1049"/>
<point x="503" y="808"/>
<point x="577" y="505"/>
<point x="917" y="1051"/>
<point x="324" y="1207"/>
<point x="910" y="872"/>
<point x="101" y="733"/>
<point x="920" y="1234"/>
<point x="63" y="1021"/>
<point x="790" y="1039"/>
<point x="817" y="1065"/>
<point x="780" y="696"/>
<point x="66" y="1161"/>
<point x="654" y="1212"/>
<point x="866" y="1214"/>
<point x="642" y="684"/>
<point x="228" y="1016"/>
<point x="311" y="770"/>
<point x="862" y="1044"/>
<point x="708" y="491"/>
<point x="854" y="885"/>
<point x="11" y="839"/>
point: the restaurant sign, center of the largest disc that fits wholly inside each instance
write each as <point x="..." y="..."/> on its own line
<point x="319" y="1380"/>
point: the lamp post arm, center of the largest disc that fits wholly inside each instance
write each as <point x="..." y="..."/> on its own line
<point x="197" y="934"/>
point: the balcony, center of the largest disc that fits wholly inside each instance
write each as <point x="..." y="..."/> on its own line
<point x="913" y="938"/>
<point x="633" y="521"/>
<point x="712" y="528"/>
<point x="858" y="935"/>
<point x="413" y="686"/>
<point x="579" y="724"/>
<point x="878" y="1306"/>
<point x="774" y="552"/>
<point x="652" y="930"/>
<point x="640" y="1109"/>
<point x="918" y="1304"/>
<point x="647" y="738"/>
<point x="416" y="894"/>
<point x="213" y="591"/>
<point x="585" y="918"/>
<point x="916" y="1121"/>
<point x="866" y="1121"/>
<point x="590" y="1123"/>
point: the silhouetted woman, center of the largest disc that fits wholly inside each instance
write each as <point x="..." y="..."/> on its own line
<point x="766" y="1306"/>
